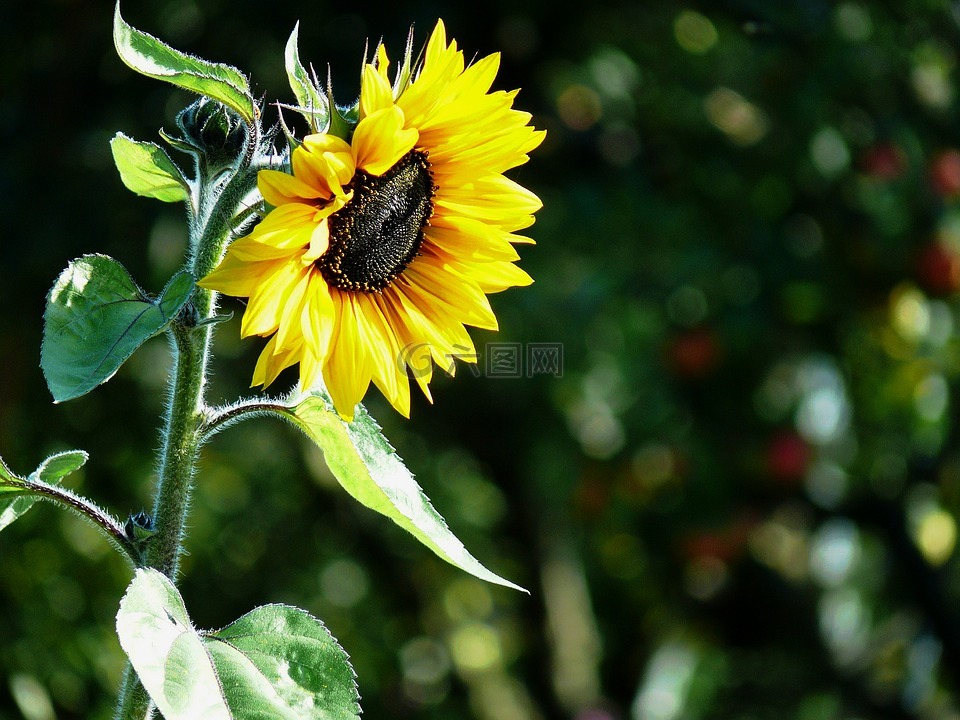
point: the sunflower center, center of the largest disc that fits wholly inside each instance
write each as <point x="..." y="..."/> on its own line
<point x="378" y="233"/>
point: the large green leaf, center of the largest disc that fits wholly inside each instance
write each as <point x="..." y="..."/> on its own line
<point x="368" y="468"/>
<point x="153" y="58"/>
<point x="295" y="655"/>
<point x="146" y="169"/>
<point x="167" y="652"/>
<point x="14" y="499"/>
<point x="275" y="662"/>
<point x="312" y="103"/>
<point x="96" y="317"/>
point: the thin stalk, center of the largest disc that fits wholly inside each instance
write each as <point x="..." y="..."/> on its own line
<point x="221" y="418"/>
<point x="104" y="521"/>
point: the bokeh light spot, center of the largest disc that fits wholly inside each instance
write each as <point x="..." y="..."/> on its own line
<point x="344" y="582"/>
<point x="936" y="536"/>
<point x="852" y="21"/>
<point x="694" y="32"/>
<point x="829" y="152"/>
<point x="579" y="107"/>
<point x="475" y="647"/>
<point x="739" y="119"/>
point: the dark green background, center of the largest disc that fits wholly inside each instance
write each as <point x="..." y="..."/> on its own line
<point x="739" y="500"/>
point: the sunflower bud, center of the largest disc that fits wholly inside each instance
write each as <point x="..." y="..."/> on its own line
<point x="139" y="527"/>
<point x="217" y="134"/>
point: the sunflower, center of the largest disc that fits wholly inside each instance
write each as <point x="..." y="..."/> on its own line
<point x="384" y="242"/>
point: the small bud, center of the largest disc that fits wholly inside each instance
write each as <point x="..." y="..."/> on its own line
<point x="139" y="527"/>
<point x="214" y="131"/>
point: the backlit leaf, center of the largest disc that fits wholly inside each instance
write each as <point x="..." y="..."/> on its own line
<point x="96" y="317"/>
<point x="368" y="468"/>
<point x="153" y="58"/>
<point x="146" y="169"/>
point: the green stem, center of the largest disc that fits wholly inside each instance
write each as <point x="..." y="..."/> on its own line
<point x="182" y="438"/>
<point x="222" y="418"/>
<point x="104" y="521"/>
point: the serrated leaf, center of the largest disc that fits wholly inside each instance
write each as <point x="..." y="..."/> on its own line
<point x="96" y="317"/>
<point x="296" y="655"/>
<point x="167" y="652"/>
<point x="312" y="103"/>
<point x="367" y="467"/>
<point x="147" y="170"/>
<point x="275" y="662"/>
<point x="153" y="58"/>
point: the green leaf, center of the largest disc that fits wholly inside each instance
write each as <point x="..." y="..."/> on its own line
<point x="146" y="169"/>
<point x="276" y="662"/>
<point x="153" y="58"/>
<point x="58" y="466"/>
<point x="368" y="468"/>
<point x="167" y="652"/>
<point x="14" y="501"/>
<point x="13" y="505"/>
<point x="96" y="317"/>
<point x="312" y="104"/>
<point x="295" y="655"/>
<point x="6" y="474"/>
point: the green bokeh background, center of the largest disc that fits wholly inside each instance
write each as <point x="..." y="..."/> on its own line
<point x="740" y="498"/>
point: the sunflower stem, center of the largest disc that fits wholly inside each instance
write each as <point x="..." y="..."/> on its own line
<point x="221" y="418"/>
<point x="182" y="437"/>
<point x="105" y="522"/>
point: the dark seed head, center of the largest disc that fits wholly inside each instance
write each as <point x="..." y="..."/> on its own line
<point x="378" y="233"/>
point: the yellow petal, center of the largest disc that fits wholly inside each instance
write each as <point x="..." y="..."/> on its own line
<point x="468" y="239"/>
<point x="319" y="243"/>
<point x="271" y="363"/>
<point x="289" y="332"/>
<point x="385" y="355"/>
<point x="434" y="283"/>
<point x="375" y="91"/>
<point x="415" y="353"/>
<point x="288" y="227"/>
<point x="380" y="140"/>
<point x="347" y="371"/>
<point x="493" y="277"/>
<point x="325" y="165"/>
<point x="236" y="277"/>
<point x="268" y="302"/>
<point x="317" y="324"/>
<point x="383" y="62"/>
<point x="310" y="370"/>
<point x="432" y="324"/>
<point x="279" y="188"/>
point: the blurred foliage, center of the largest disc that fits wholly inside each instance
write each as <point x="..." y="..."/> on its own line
<point x="740" y="500"/>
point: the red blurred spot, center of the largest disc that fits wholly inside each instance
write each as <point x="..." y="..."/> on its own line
<point x="938" y="269"/>
<point x="724" y="543"/>
<point x="945" y="173"/>
<point x="788" y="456"/>
<point x="884" y="161"/>
<point x="694" y="354"/>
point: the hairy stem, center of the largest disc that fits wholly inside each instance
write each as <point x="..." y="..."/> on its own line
<point x="182" y="435"/>
<point x="222" y="418"/>
<point x="104" y="521"/>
